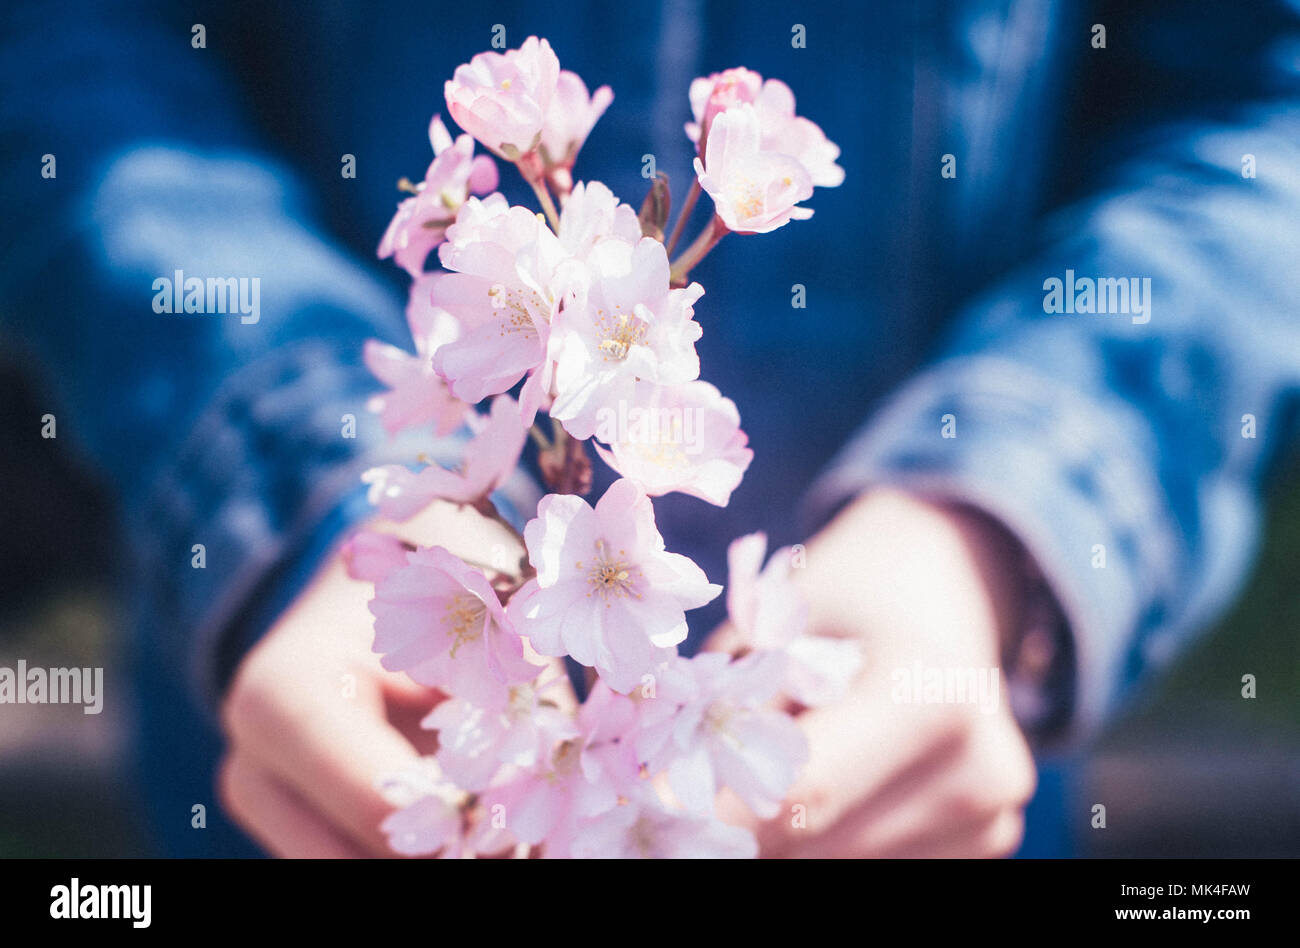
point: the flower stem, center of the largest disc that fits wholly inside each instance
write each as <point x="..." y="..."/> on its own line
<point x="696" y="252"/>
<point x="544" y="198"/>
<point x="565" y="467"/>
<point x="691" y="197"/>
<point x="539" y="437"/>
<point x="488" y="509"/>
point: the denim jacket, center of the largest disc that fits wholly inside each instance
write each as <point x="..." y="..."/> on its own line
<point x="991" y="148"/>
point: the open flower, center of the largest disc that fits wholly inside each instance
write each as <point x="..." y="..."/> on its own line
<point x="720" y="730"/>
<point x="624" y="324"/>
<point x="592" y="214"/>
<point x="683" y="438"/>
<point x="421" y="221"/>
<point x="474" y="743"/>
<point x="503" y="99"/>
<point x="428" y="819"/>
<point x="606" y="592"/>
<point x="583" y="776"/>
<point x="793" y="135"/>
<point x="506" y="280"/>
<point x="771" y="615"/>
<point x="781" y="130"/>
<point x="417" y="395"/>
<point x="440" y="621"/>
<point x="489" y="459"/>
<point x="754" y="191"/>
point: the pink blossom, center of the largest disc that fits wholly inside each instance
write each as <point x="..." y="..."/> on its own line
<point x="503" y="99"/>
<point x="646" y="830"/>
<point x="790" y="134"/>
<point x="440" y="621"/>
<point x="624" y="324"/>
<point x="782" y="131"/>
<point x="416" y="394"/>
<point x="490" y="458"/>
<point x="683" y="438"/>
<point x="371" y="556"/>
<point x="765" y="606"/>
<point x="768" y="610"/>
<point x="719" y="730"/>
<point x="474" y="743"/>
<point x="424" y="827"/>
<point x="507" y="278"/>
<point x="398" y="491"/>
<point x="716" y="93"/>
<point x="581" y="777"/>
<point x="593" y="214"/>
<point x="511" y="277"/>
<point x="754" y="191"/>
<point x="606" y="592"/>
<point x="428" y="819"/>
<point x="643" y="828"/>
<point x="421" y="221"/>
<point x="570" y="118"/>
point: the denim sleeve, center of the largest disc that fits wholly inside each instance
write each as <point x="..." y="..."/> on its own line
<point x="1126" y="450"/>
<point x="227" y="431"/>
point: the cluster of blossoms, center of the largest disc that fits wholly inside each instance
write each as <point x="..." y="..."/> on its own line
<point x="580" y="311"/>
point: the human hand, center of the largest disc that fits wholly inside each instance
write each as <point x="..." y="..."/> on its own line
<point x="312" y="719"/>
<point x="914" y="582"/>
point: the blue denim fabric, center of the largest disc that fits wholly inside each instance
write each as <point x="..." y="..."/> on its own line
<point x="925" y="294"/>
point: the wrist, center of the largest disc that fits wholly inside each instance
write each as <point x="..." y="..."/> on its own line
<point x="918" y="548"/>
<point x="991" y="584"/>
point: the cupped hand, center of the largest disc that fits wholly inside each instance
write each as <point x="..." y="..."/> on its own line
<point x="926" y="588"/>
<point x="313" y="722"/>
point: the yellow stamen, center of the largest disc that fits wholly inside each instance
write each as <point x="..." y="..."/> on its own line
<point x="465" y="618"/>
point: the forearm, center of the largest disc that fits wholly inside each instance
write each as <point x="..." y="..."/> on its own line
<point x="233" y="440"/>
<point x="1112" y="446"/>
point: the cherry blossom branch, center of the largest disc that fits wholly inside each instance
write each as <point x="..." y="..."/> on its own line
<point x="474" y="630"/>
<point x="691" y="197"/>
<point x="696" y="252"/>
<point x="488" y="509"/>
<point x="565" y="466"/>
